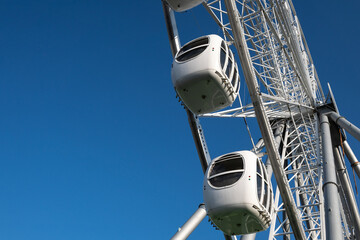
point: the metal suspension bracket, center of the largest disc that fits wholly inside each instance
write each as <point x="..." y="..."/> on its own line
<point x="195" y="126"/>
<point x="196" y="130"/>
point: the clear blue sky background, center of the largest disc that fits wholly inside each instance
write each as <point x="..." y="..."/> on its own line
<point x="93" y="143"/>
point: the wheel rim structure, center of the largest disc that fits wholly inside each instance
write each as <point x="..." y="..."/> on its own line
<point x="286" y="93"/>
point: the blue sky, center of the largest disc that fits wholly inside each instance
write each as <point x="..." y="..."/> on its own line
<point x="93" y="143"/>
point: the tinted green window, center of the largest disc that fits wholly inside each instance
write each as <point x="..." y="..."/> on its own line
<point x="226" y="166"/>
<point x="190" y="54"/>
<point x="196" y="43"/>
<point x="266" y="195"/>
<point x="267" y="189"/>
<point x="259" y="186"/>
<point x="233" y="81"/>
<point x="226" y="170"/>
<point x="225" y="180"/>
<point x="270" y="202"/>
<point x="192" y="49"/>
<point x="259" y="179"/>
<point x="223" y="54"/>
<point x="228" y="69"/>
<point x="238" y="84"/>
<point x="222" y="57"/>
<point x="223" y="46"/>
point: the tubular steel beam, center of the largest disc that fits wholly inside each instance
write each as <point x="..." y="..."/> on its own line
<point x="230" y="237"/>
<point x="345" y="124"/>
<point x="278" y="133"/>
<point x="284" y="11"/>
<point x="190" y="224"/>
<point x="259" y="145"/>
<point x="195" y="126"/>
<point x="199" y="140"/>
<point x="352" y="158"/>
<point x="171" y="28"/>
<point x="262" y="119"/>
<point x="349" y="194"/>
<point x="248" y="236"/>
<point x="330" y="187"/>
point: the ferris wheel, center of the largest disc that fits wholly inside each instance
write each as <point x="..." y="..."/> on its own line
<point x="303" y="142"/>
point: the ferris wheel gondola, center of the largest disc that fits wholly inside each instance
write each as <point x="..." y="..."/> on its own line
<point x="238" y="194"/>
<point x="205" y="74"/>
<point x="183" y="5"/>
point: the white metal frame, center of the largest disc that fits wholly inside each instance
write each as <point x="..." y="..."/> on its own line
<point x="287" y="89"/>
<point x="284" y="87"/>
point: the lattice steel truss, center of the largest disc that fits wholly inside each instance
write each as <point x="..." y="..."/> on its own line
<point x="273" y="55"/>
<point x="301" y="161"/>
<point x="289" y="91"/>
<point x="286" y="96"/>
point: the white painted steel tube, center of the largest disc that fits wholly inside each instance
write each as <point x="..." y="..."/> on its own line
<point x="352" y="158"/>
<point x="230" y="237"/>
<point x="330" y="187"/>
<point x="194" y="123"/>
<point x="248" y="236"/>
<point x="293" y="36"/>
<point x="277" y="137"/>
<point x="345" y="124"/>
<point x="258" y="146"/>
<point x="348" y="191"/>
<point x="171" y="28"/>
<point x="191" y="224"/>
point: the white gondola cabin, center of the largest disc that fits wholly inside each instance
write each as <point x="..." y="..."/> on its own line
<point x="183" y="5"/>
<point x="238" y="194"/>
<point x="205" y="75"/>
